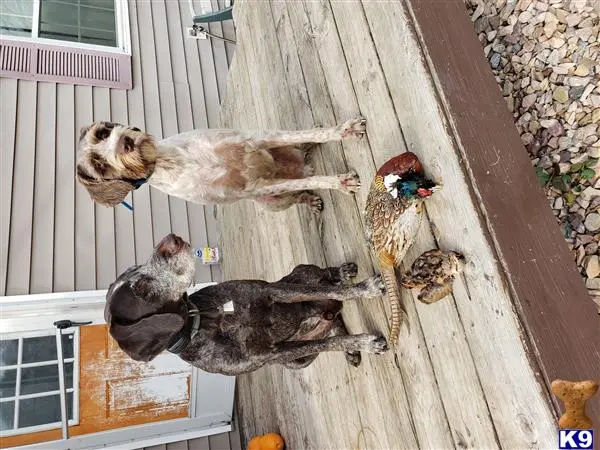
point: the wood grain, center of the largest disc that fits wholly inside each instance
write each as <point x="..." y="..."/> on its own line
<point x="326" y="62"/>
<point x="547" y="290"/>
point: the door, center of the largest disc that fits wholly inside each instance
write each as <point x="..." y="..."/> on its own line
<point x="106" y="390"/>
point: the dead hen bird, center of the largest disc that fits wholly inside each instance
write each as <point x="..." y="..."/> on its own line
<point x="433" y="272"/>
<point x="393" y="215"/>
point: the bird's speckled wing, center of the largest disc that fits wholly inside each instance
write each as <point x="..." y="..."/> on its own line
<point x="391" y="223"/>
<point x="426" y="269"/>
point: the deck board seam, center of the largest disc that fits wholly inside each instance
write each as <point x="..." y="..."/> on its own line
<point x="320" y="222"/>
<point x="484" y="219"/>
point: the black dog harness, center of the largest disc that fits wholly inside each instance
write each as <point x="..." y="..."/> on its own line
<point x="192" y="324"/>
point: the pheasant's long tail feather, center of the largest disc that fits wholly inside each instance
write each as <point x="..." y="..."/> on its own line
<point x="393" y="296"/>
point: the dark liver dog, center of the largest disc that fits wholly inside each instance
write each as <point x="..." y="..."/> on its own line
<point x="288" y="322"/>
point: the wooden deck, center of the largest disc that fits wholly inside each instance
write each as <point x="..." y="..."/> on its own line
<point x="472" y="371"/>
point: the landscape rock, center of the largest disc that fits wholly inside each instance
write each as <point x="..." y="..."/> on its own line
<point x="545" y="55"/>
<point x="561" y="94"/>
<point x="592" y="222"/>
<point x="592" y="266"/>
<point x="593" y="283"/>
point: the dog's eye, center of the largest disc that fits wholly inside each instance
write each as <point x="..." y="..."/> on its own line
<point x="103" y="133"/>
<point x="98" y="163"/>
<point x="136" y="129"/>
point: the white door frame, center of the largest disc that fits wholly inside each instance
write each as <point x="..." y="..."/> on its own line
<point x="211" y="396"/>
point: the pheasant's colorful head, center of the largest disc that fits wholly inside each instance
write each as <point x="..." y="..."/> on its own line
<point x="403" y="176"/>
<point x="411" y="186"/>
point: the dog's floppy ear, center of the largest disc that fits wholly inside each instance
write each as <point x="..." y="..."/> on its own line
<point x="146" y="338"/>
<point x="106" y="192"/>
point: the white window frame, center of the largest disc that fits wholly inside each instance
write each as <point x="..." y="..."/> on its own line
<point x="122" y="28"/>
<point x="20" y="365"/>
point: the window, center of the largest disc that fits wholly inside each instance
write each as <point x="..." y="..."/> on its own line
<point x="29" y="386"/>
<point x="87" y="22"/>
<point x="70" y="41"/>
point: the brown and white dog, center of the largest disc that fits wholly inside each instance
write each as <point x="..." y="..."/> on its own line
<point x="210" y="166"/>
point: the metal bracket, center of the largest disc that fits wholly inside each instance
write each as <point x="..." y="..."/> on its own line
<point x="196" y="32"/>
<point x="63" y="325"/>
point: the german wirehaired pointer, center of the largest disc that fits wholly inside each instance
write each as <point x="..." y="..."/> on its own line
<point x="210" y="166"/>
<point x="287" y="322"/>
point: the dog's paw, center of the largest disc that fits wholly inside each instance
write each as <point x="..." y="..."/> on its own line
<point x="348" y="271"/>
<point x="314" y="202"/>
<point x="374" y="344"/>
<point x="353" y="128"/>
<point x="349" y="182"/>
<point x="372" y="287"/>
<point x="353" y="358"/>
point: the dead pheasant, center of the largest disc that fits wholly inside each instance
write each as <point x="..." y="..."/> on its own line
<point x="433" y="272"/>
<point x="393" y="215"/>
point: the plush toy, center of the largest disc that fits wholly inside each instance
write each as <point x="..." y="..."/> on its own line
<point x="269" y="441"/>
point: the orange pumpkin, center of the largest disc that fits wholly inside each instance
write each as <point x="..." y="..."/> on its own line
<point x="269" y="441"/>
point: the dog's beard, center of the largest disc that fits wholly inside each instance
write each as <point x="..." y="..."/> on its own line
<point x="106" y="168"/>
<point x="139" y="162"/>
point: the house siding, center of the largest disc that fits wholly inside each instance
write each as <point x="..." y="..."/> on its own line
<point x="53" y="238"/>
<point x="223" y="441"/>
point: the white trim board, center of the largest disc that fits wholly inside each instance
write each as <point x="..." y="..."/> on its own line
<point x="40" y="311"/>
<point x="131" y="439"/>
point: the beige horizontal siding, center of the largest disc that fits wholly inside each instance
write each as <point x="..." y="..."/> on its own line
<point x="52" y="236"/>
<point x="223" y="441"/>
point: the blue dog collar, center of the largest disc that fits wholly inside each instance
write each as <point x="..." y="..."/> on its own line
<point x="136" y="185"/>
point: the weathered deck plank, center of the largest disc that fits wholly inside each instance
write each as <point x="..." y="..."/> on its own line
<point x="453" y="365"/>
<point x="318" y="63"/>
<point x="456" y="225"/>
<point x="342" y="222"/>
<point x="547" y="290"/>
<point x="286" y="232"/>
